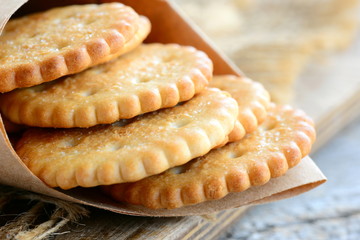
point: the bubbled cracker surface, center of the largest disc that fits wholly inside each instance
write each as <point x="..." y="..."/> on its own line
<point x="252" y="98"/>
<point x="279" y="143"/>
<point x="153" y="76"/>
<point x="146" y="67"/>
<point x="118" y="153"/>
<point x="35" y="37"/>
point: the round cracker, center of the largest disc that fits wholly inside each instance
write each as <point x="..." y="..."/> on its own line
<point x="116" y="153"/>
<point x="279" y="144"/>
<point x="253" y="100"/>
<point x="151" y="77"/>
<point x="45" y="46"/>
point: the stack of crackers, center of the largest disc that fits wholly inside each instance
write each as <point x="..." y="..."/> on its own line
<point x="147" y="123"/>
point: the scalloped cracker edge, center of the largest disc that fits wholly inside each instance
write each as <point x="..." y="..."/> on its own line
<point x="117" y="153"/>
<point x="151" y="77"/>
<point x="108" y="44"/>
<point x="279" y="144"/>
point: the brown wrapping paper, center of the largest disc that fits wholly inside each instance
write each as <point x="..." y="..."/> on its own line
<point x="168" y="25"/>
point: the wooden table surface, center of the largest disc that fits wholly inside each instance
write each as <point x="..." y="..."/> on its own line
<point x="331" y="212"/>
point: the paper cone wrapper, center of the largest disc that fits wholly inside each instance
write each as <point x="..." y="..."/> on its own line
<point x="168" y="26"/>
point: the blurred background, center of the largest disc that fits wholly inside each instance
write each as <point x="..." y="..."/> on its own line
<point x="306" y="53"/>
<point x="272" y="41"/>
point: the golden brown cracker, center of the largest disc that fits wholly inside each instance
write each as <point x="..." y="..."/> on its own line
<point x="252" y="98"/>
<point x="145" y="146"/>
<point x="280" y="143"/>
<point x="45" y="46"/>
<point x="151" y="77"/>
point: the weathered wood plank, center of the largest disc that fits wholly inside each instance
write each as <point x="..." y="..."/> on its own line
<point x="107" y="225"/>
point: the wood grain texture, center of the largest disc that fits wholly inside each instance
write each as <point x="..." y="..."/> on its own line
<point x="108" y="225"/>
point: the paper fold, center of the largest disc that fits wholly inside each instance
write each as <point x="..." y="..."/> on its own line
<point x="168" y="26"/>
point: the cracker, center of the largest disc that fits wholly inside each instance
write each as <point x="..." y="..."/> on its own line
<point x="45" y="46"/>
<point x="151" y="77"/>
<point x="116" y="153"/>
<point x="279" y="144"/>
<point x="252" y="98"/>
<point x="143" y="31"/>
